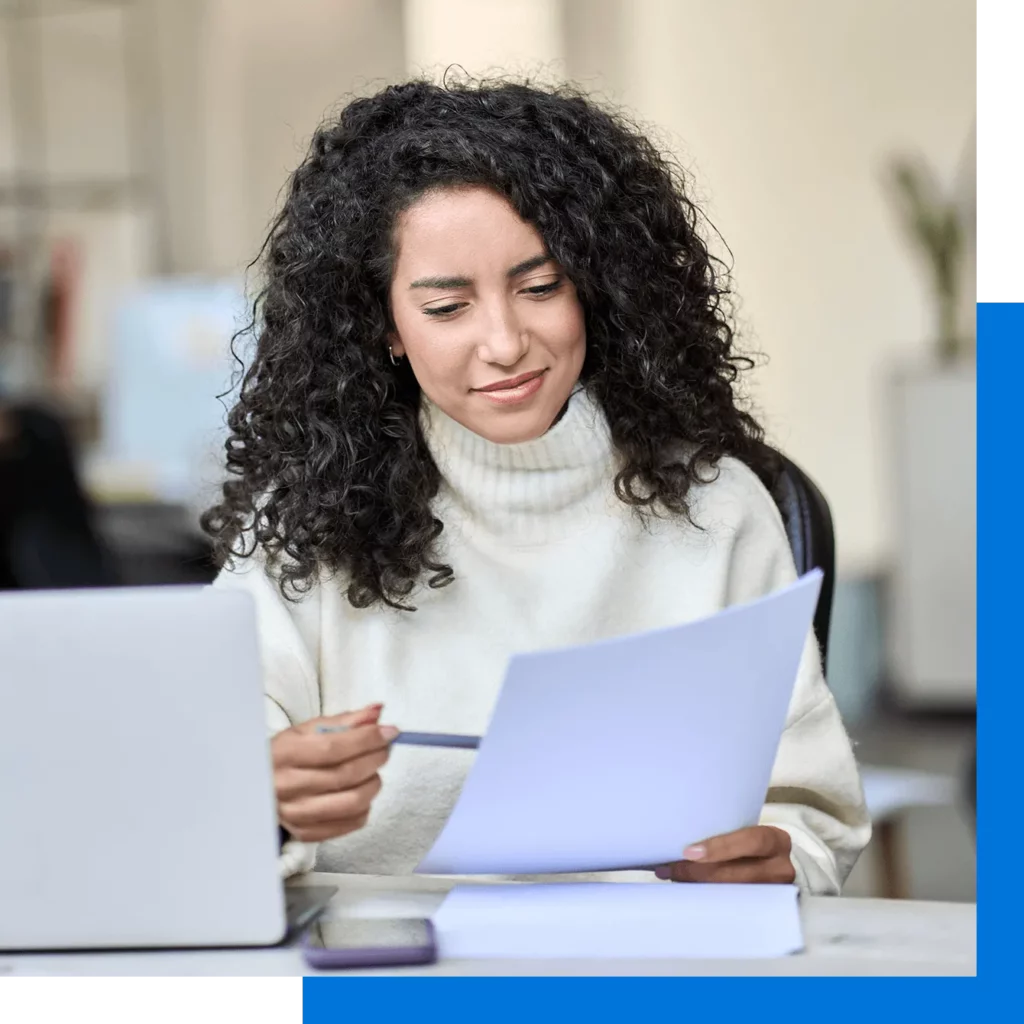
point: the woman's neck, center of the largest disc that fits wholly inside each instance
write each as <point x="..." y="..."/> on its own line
<point x="512" y="487"/>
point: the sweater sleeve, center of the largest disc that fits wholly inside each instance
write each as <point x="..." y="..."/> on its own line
<point x="289" y="640"/>
<point x="291" y="690"/>
<point x="815" y="791"/>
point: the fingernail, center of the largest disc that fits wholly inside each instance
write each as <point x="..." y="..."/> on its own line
<point x="663" y="873"/>
<point x="694" y="852"/>
<point x="389" y="732"/>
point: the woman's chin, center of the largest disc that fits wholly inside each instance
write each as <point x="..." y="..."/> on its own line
<point x="505" y="434"/>
<point x="504" y="423"/>
<point x="520" y="428"/>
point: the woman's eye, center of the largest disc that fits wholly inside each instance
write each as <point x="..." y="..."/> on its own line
<point x="453" y="307"/>
<point x="444" y="310"/>
<point x="542" y="289"/>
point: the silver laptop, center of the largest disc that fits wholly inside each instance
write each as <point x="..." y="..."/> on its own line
<point x="136" y="797"/>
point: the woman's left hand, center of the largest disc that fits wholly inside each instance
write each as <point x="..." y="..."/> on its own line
<point x="757" y="854"/>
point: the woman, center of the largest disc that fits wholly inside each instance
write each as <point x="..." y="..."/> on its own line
<point x="491" y="409"/>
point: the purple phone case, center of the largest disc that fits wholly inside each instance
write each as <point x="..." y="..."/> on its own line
<point x="393" y="956"/>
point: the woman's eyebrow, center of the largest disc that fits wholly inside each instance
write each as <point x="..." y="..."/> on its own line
<point x="441" y="282"/>
<point x="464" y="282"/>
<point x="531" y="264"/>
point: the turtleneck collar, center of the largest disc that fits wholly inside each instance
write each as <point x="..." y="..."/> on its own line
<point x="523" y="489"/>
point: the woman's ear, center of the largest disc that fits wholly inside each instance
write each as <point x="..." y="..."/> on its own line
<point x="395" y="346"/>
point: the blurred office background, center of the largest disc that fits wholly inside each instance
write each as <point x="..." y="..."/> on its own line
<point x="143" y="147"/>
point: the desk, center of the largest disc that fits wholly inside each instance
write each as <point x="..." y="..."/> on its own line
<point x="844" y="936"/>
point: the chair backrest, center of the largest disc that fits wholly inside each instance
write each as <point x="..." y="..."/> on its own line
<point x="808" y="523"/>
<point x="47" y="536"/>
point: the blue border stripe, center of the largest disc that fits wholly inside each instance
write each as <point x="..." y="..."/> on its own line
<point x="1000" y="626"/>
<point x="640" y="1000"/>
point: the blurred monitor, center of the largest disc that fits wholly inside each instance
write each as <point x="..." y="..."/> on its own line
<point x="170" y="360"/>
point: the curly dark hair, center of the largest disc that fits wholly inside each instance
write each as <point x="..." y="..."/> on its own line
<point x="328" y="469"/>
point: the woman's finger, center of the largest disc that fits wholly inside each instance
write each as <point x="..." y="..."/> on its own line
<point x="310" y="811"/>
<point x="753" y="869"/>
<point x="285" y="743"/>
<point x="757" y="841"/>
<point x="328" y="750"/>
<point x="326" y="830"/>
<point x="369" y="715"/>
<point x="292" y="782"/>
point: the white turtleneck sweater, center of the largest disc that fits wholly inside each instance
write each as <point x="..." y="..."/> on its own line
<point x="545" y="555"/>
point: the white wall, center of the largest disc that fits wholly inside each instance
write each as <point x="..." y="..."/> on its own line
<point x="786" y="112"/>
<point x="273" y="71"/>
<point x="522" y="37"/>
<point x="176" y="152"/>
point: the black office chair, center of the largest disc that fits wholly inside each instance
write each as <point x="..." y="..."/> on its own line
<point x="47" y="536"/>
<point x="808" y="522"/>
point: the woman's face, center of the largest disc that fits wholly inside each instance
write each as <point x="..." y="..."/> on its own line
<point x="489" y="322"/>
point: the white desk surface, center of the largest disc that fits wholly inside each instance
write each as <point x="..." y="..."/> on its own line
<point x="843" y="936"/>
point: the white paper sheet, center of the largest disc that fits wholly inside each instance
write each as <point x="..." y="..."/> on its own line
<point x="622" y="753"/>
<point x="621" y="920"/>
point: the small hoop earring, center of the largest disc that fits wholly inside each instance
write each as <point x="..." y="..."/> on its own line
<point x="391" y="354"/>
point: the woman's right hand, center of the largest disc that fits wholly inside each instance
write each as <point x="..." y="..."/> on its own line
<point x="326" y="781"/>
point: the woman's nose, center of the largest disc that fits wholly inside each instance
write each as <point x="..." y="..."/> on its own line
<point x="505" y="339"/>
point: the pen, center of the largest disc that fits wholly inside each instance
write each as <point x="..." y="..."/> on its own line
<point x="421" y="739"/>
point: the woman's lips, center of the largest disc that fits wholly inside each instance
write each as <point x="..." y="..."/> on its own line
<point x="511" y="382"/>
<point x="517" y="389"/>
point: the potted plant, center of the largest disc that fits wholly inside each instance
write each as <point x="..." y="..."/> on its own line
<point x="934" y="225"/>
<point x="932" y="595"/>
